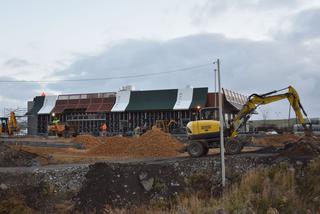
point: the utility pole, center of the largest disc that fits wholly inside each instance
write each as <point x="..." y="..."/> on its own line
<point x="223" y="170"/>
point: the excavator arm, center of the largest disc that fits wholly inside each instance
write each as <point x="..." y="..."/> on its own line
<point x="256" y="100"/>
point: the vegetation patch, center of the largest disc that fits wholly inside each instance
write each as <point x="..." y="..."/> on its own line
<point x="279" y="188"/>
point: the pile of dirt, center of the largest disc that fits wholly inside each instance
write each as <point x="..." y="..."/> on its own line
<point x="304" y="147"/>
<point x="10" y="157"/>
<point x="88" y="141"/>
<point x="153" y="143"/>
<point x="275" y="140"/>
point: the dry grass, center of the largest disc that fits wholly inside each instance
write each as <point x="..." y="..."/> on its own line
<point x="277" y="189"/>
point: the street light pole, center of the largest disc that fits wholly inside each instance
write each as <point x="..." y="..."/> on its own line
<point x="223" y="170"/>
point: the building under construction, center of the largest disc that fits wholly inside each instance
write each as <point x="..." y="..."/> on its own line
<point x="126" y="109"/>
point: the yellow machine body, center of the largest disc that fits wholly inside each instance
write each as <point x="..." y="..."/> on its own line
<point x="9" y="125"/>
<point x="202" y="129"/>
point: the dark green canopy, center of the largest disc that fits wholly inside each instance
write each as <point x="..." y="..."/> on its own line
<point x="199" y="97"/>
<point x="37" y="105"/>
<point x="152" y="100"/>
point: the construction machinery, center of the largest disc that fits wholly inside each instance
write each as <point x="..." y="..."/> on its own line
<point x="9" y="125"/>
<point x="204" y="134"/>
<point x="166" y="125"/>
<point x="56" y="128"/>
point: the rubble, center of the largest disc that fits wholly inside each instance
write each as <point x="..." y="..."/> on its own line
<point x="130" y="184"/>
<point x="147" y="183"/>
<point x="304" y="147"/>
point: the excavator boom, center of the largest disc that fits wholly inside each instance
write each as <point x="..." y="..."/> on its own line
<point x="256" y="100"/>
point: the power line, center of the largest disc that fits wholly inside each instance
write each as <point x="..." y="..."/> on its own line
<point x="109" y="78"/>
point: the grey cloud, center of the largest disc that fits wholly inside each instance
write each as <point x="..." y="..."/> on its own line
<point x="305" y="25"/>
<point x="16" y="63"/>
<point x="247" y="66"/>
<point x="216" y="5"/>
<point x="17" y="93"/>
<point x="212" y="8"/>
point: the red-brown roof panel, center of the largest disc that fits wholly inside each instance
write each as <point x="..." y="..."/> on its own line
<point x="94" y="107"/>
<point x="212" y="100"/>
<point x="90" y="104"/>
<point x="58" y="109"/>
<point x="72" y="104"/>
<point x="105" y="107"/>
<point x="60" y="106"/>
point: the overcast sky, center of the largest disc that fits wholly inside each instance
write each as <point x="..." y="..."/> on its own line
<point x="263" y="45"/>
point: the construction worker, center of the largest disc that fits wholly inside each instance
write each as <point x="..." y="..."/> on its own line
<point x="145" y="127"/>
<point x="55" y="121"/>
<point x="137" y="131"/>
<point x="104" y="129"/>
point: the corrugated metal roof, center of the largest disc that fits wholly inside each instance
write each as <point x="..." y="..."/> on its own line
<point x="184" y="99"/>
<point x="152" y="100"/>
<point x="72" y="104"/>
<point x="48" y="105"/>
<point x="168" y="99"/>
<point x="235" y="99"/>
<point x="60" y="106"/>
<point x="101" y="104"/>
<point x="86" y="96"/>
<point x="122" y="101"/>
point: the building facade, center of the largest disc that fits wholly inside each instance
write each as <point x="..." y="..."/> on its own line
<point x="126" y="109"/>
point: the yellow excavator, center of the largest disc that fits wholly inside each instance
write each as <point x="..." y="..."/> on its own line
<point x="8" y="125"/>
<point x="205" y="134"/>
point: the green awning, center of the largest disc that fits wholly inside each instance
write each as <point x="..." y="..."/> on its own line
<point x="37" y="105"/>
<point x="152" y="100"/>
<point x="199" y="97"/>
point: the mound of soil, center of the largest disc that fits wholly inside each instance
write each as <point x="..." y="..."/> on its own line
<point x="88" y="141"/>
<point x="10" y="157"/>
<point x="305" y="147"/>
<point x="153" y="143"/>
<point x="275" y="140"/>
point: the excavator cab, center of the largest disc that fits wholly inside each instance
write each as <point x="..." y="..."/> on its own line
<point x="209" y="113"/>
<point x="3" y="125"/>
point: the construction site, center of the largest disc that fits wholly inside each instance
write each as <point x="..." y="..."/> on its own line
<point x="142" y="148"/>
<point x="159" y="107"/>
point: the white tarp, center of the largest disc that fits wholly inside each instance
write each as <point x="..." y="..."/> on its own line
<point x="184" y="99"/>
<point x="122" y="101"/>
<point x="48" y="104"/>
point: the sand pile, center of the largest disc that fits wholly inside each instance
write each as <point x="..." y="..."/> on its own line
<point x="153" y="143"/>
<point x="88" y="141"/>
<point x="304" y="147"/>
<point x="275" y="140"/>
